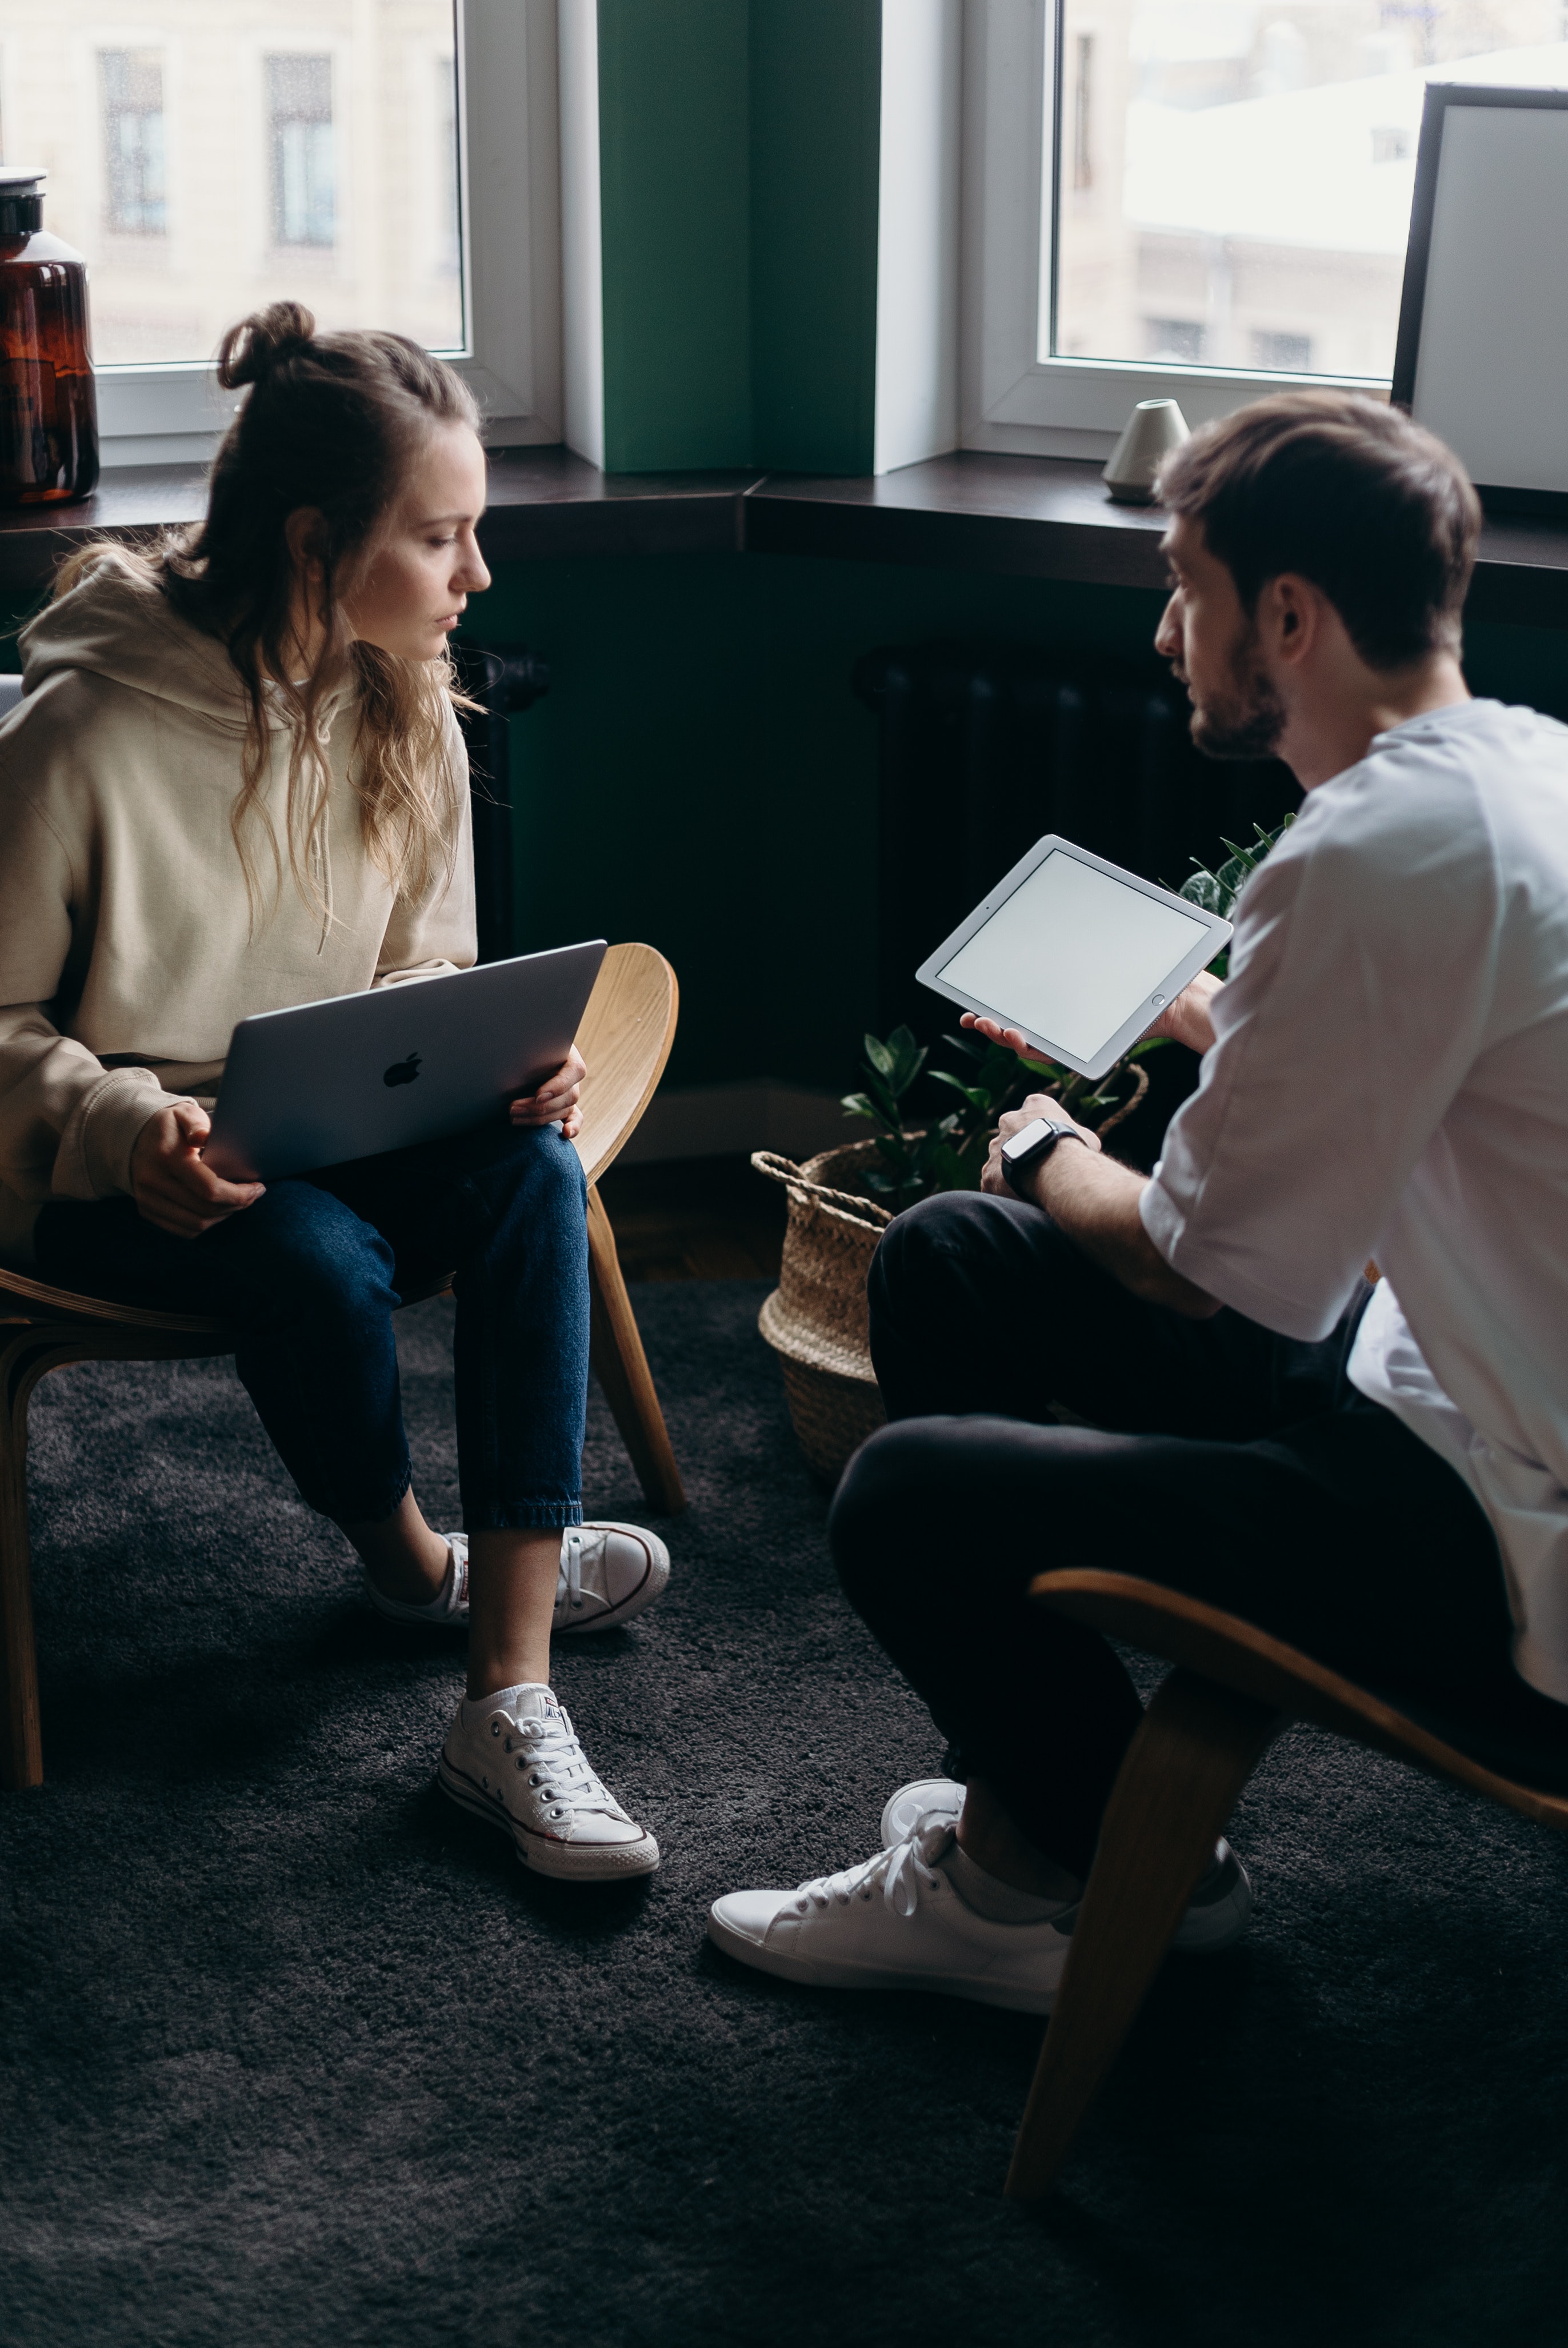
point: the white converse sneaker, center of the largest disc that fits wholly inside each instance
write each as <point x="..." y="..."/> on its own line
<point x="608" y="1572"/>
<point x="513" y="1759"/>
<point x="448" y="1610"/>
<point x="1217" y="1914"/>
<point x="896" y="1922"/>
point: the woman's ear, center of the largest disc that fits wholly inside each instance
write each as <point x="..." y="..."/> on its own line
<point x="302" y="531"/>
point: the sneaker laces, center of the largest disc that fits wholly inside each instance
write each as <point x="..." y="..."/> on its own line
<point x="554" y="1765"/>
<point x="577" y="1542"/>
<point x="903" y="1873"/>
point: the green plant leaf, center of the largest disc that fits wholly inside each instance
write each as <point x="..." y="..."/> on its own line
<point x="857" y="1104"/>
<point x="880" y="1058"/>
<point x="976" y="1096"/>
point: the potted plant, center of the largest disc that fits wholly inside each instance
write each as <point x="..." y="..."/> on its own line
<point x="841" y="1200"/>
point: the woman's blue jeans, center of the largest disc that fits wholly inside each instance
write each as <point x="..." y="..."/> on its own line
<point x="308" y="1279"/>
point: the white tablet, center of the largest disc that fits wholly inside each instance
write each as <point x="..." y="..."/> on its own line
<point x="1079" y="954"/>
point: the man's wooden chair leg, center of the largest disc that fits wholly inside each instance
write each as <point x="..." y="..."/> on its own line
<point x="1198" y="1746"/>
<point x="621" y="1368"/>
<point x="22" y="1751"/>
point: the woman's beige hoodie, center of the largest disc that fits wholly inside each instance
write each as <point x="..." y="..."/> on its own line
<point x="126" y="946"/>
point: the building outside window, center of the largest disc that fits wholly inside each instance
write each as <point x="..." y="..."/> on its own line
<point x="1183" y="341"/>
<point x="1282" y="353"/>
<point x="210" y="173"/>
<point x="1254" y="156"/>
<point x="132" y="84"/>
<point x="299" y="148"/>
<point x="1083" y="113"/>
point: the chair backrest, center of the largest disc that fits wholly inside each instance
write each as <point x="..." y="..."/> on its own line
<point x="1239" y="1656"/>
<point x="625" y="1039"/>
<point x="10" y="694"/>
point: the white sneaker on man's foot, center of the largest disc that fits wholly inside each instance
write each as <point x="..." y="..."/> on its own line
<point x="608" y="1572"/>
<point x="1217" y="1914"/>
<point x="513" y="1760"/>
<point x="896" y="1922"/>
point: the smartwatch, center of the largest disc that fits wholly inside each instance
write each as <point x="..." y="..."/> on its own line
<point x="1027" y="1148"/>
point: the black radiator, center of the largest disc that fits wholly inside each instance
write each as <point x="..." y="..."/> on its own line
<point x="504" y="679"/>
<point x="984" y="747"/>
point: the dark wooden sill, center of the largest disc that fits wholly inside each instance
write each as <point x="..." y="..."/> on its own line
<point x="1042" y="518"/>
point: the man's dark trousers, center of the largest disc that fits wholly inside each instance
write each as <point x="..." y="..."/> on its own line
<point x="1219" y="1459"/>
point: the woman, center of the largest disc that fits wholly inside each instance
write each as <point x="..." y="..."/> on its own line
<point x="235" y="782"/>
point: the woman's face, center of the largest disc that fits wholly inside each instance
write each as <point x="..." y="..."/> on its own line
<point x="429" y="563"/>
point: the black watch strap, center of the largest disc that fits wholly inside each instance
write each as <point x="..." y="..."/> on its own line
<point x="1016" y="1167"/>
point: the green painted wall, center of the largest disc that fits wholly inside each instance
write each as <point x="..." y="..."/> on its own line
<point x="738" y="181"/>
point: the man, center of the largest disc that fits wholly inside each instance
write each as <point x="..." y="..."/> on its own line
<point x="1377" y="1475"/>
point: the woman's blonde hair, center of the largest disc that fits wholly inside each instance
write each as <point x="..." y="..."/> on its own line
<point x="333" y="422"/>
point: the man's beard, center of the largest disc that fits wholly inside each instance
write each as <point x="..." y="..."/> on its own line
<point x="1249" y="720"/>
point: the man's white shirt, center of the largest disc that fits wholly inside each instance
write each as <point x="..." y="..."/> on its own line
<point x="1389" y="1080"/>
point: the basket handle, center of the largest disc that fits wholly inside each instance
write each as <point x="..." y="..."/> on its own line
<point x="784" y="1169"/>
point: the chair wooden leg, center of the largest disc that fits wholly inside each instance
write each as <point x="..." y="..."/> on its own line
<point x="1198" y="1746"/>
<point x="621" y="1368"/>
<point x="22" y="1750"/>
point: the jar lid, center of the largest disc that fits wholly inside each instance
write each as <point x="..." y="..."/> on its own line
<point x="21" y="199"/>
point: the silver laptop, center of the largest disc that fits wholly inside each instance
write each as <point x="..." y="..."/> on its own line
<point x="359" y="1074"/>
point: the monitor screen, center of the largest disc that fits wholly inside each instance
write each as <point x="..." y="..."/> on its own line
<point x="1072" y="954"/>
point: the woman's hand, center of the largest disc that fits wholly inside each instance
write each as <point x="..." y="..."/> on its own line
<point x="173" y="1189"/>
<point x="556" y="1097"/>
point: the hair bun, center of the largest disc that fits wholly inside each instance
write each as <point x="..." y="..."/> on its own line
<point x="250" y="351"/>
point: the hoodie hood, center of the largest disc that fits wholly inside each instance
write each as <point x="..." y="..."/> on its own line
<point x="118" y="622"/>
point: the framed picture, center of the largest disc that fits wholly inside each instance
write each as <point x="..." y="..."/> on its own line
<point x="1482" y="357"/>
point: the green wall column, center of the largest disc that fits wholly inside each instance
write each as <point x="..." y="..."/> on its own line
<point x="739" y="151"/>
<point x="674" y="109"/>
<point x="816" y="96"/>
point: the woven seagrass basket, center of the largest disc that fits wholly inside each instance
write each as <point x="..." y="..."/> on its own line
<point x="816" y="1319"/>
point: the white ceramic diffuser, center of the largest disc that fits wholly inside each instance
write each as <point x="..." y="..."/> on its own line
<point x="1154" y="428"/>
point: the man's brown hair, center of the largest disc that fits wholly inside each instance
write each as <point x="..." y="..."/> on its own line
<point x="1346" y="492"/>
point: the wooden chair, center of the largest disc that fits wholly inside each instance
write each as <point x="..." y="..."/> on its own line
<point x="1231" y="1692"/>
<point x="625" y="1037"/>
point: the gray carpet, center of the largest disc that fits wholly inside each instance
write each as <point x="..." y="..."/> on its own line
<point x="297" y="2054"/>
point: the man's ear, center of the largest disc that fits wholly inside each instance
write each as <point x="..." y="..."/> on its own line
<point x="1289" y="609"/>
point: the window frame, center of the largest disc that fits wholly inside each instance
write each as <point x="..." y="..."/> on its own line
<point x="510" y="215"/>
<point x="1011" y="398"/>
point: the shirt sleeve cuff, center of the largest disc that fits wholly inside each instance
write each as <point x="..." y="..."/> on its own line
<point x="1220" y="1277"/>
<point x="93" y="1157"/>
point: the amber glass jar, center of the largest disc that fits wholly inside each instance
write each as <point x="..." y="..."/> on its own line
<point x="48" y="413"/>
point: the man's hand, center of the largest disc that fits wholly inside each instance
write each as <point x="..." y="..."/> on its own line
<point x="558" y="1097"/>
<point x="1188" y="1019"/>
<point x="173" y="1189"/>
<point x="1014" y="1122"/>
<point x="1185" y="1020"/>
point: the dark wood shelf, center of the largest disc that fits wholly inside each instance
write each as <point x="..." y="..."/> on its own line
<point x="1042" y="518"/>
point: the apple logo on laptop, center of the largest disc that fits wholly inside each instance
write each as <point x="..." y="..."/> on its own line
<point x="402" y="1072"/>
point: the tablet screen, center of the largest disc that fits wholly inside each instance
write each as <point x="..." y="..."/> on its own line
<point x="1072" y="954"/>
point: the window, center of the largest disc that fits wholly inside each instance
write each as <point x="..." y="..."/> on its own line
<point x="1182" y="197"/>
<point x="1283" y="353"/>
<point x="300" y="151"/>
<point x="1182" y="340"/>
<point x="227" y="157"/>
<point x="131" y="81"/>
<point x="1083" y="114"/>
